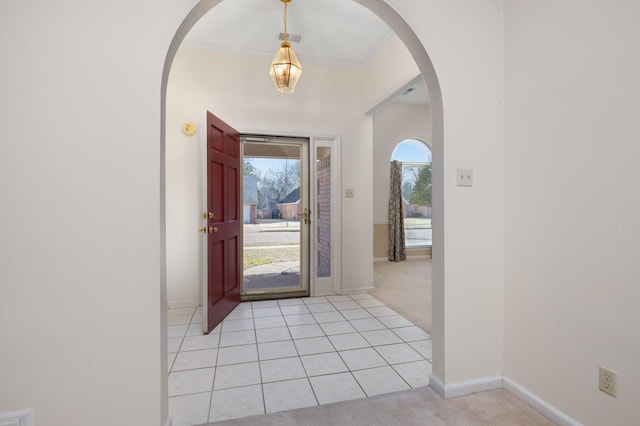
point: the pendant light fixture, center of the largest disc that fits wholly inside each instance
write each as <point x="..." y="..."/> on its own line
<point x="285" y="70"/>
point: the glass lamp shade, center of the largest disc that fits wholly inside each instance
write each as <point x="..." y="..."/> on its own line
<point x="285" y="69"/>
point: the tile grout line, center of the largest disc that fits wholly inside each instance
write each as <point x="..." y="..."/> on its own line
<point x="347" y="365"/>
<point x="215" y="373"/>
<point x="264" y="400"/>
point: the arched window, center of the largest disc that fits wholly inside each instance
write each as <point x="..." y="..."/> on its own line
<point x="415" y="156"/>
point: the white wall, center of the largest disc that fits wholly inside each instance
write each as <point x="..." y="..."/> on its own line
<point x="246" y="99"/>
<point x="81" y="298"/>
<point x="393" y="124"/>
<point x="391" y="68"/>
<point x="464" y="41"/>
<point x="571" y="204"/>
<point x="80" y="252"/>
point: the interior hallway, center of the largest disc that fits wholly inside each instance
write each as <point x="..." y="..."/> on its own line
<point x="405" y="287"/>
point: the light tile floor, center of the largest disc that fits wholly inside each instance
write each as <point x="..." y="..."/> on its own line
<point x="277" y="355"/>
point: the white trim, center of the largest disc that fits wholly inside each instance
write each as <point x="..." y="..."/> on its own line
<point x="492" y="383"/>
<point x="468" y="387"/>
<point x="358" y="290"/>
<point x="389" y="99"/>
<point x="336" y="214"/>
<point x="418" y="257"/>
<point x="333" y="284"/>
<point x="17" y="418"/>
<point x="436" y="384"/>
<point x="169" y="422"/>
<point x="472" y="386"/>
<point x="538" y="404"/>
<point x="174" y="304"/>
<point x="333" y="142"/>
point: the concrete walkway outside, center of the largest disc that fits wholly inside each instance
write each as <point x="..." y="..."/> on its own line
<point x="272" y="275"/>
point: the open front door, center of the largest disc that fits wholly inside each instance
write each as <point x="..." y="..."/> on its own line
<point x="222" y="222"/>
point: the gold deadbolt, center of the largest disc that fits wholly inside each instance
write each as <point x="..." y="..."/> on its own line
<point x="209" y="215"/>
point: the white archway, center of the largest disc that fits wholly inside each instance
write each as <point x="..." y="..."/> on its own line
<point x="402" y="29"/>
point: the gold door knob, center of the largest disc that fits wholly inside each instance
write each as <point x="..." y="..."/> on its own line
<point x="213" y="229"/>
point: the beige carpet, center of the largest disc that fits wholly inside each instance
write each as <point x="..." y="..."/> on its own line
<point x="418" y="407"/>
<point x="405" y="287"/>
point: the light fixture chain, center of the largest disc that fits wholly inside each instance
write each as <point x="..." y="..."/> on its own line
<point x="286" y="35"/>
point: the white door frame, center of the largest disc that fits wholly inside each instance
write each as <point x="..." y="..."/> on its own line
<point x="317" y="286"/>
<point x="333" y="284"/>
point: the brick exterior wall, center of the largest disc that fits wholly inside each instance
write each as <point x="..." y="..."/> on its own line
<point x="323" y="221"/>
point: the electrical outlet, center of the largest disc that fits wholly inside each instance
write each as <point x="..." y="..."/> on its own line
<point x="607" y="381"/>
<point x="348" y="193"/>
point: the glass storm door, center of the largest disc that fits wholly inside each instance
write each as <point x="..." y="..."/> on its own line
<point x="275" y="217"/>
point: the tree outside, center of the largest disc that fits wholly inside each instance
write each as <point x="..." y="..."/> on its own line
<point x="421" y="193"/>
<point x="416" y="191"/>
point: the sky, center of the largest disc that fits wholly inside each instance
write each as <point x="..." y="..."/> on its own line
<point x="412" y="151"/>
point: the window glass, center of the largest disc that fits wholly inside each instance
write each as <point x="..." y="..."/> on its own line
<point x="415" y="156"/>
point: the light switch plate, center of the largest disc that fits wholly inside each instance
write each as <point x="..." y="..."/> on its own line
<point x="464" y="177"/>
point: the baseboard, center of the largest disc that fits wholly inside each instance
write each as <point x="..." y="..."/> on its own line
<point x="330" y="293"/>
<point x="436" y="384"/>
<point x="464" y="388"/>
<point x="538" y="404"/>
<point x="169" y="422"/>
<point x="419" y="257"/>
<point x="358" y="290"/>
<point x="173" y="304"/>
<point x="17" y="418"/>
<point x="491" y="383"/>
<point x="409" y="257"/>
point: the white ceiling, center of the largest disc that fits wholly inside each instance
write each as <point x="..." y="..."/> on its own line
<point x="335" y="32"/>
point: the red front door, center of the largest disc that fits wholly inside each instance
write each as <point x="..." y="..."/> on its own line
<point x="223" y="221"/>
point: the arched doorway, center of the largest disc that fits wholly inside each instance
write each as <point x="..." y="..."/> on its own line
<point x="402" y="29"/>
<point x="405" y="286"/>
